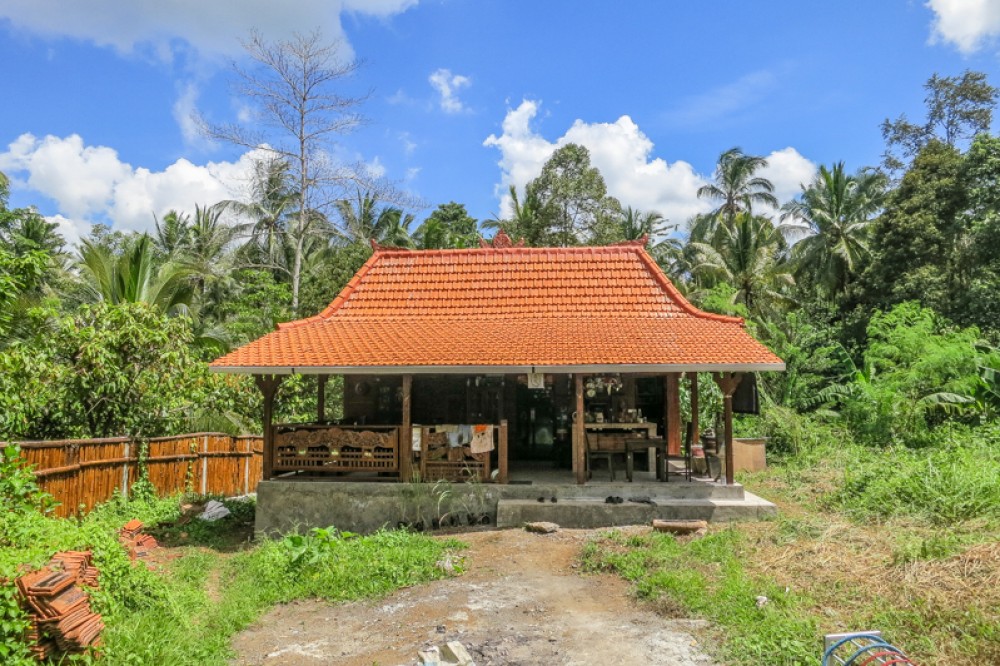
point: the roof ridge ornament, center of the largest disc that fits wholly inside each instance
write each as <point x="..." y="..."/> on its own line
<point x="501" y="241"/>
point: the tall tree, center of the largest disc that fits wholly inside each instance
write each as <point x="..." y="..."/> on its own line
<point x="836" y="210"/>
<point x="449" y="225"/>
<point x="572" y="196"/>
<point x="736" y="187"/>
<point x="958" y="108"/>
<point x="292" y="85"/>
<point x="749" y="255"/>
<point x="915" y="243"/>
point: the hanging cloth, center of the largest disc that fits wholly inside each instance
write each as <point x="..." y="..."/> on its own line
<point x="482" y="439"/>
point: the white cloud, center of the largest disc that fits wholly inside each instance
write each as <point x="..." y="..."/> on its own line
<point x="71" y="230"/>
<point x="624" y="156"/>
<point x="968" y="24"/>
<point x="184" y="114"/>
<point x="448" y="85"/>
<point x="92" y="184"/>
<point x="212" y="28"/>
<point x="788" y="171"/>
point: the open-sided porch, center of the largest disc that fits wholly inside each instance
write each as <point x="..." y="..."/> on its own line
<point x="489" y="366"/>
<point x="501" y="428"/>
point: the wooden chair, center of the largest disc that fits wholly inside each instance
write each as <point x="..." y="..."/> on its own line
<point x="596" y="452"/>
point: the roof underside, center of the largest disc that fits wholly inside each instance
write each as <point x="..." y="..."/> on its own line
<point x="506" y="310"/>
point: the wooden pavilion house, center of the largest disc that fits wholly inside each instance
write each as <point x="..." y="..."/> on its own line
<point x="494" y="363"/>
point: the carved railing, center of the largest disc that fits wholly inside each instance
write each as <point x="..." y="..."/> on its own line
<point x="335" y="448"/>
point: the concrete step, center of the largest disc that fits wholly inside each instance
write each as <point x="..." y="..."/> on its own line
<point x="590" y="513"/>
<point x="678" y="489"/>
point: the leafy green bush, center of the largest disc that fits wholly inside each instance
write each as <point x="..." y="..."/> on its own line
<point x="954" y="480"/>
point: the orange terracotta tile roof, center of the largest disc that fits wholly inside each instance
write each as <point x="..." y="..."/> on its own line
<point x="510" y="308"/>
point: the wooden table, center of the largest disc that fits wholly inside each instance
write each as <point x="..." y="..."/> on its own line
<point x="639" y="426"/>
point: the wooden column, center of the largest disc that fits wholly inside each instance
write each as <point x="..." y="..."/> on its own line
<point x="728" y="381"/>
<point x="579" y="443"/>
<point x="321" y="398"/>
<point x="695" y="425"/>
<point x="672" y="412"/>
<point x="502" y="452"/>
<point x="268" y="385"/>
<point x="406" y="432"/>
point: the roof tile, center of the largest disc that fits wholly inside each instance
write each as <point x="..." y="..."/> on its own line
<point x="506" y="307"/>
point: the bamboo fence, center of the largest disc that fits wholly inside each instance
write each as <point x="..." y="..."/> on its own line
<point x="81" y="473"/>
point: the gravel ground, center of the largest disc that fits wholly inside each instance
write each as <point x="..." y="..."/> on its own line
<point x="521" y="601"/>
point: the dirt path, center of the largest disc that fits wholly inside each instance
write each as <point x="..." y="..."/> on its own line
<point x="521" y="601"/>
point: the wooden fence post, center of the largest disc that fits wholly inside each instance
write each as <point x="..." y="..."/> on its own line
<point x="204" y="465"/>
<point x="125" y="465"/>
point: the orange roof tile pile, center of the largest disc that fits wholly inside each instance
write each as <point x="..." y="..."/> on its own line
<point x="504" y="306"/>
<point x="136" y="543"/>
<point x="62" y="621"/>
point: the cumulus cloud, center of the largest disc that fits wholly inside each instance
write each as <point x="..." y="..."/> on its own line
<point x="91" y="184"/>
<point x="624" y="156"/>
<point x="211" y="28"/>
<point x="788" y="171"/>
<point x="968" y="24"/>
<point x="447" y="85"/>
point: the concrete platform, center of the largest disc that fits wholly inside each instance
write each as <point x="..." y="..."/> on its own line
<point x="285" y="505"/>
<point x="589" y="513"/>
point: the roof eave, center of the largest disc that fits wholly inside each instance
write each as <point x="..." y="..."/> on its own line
<point x="499" y="369"/>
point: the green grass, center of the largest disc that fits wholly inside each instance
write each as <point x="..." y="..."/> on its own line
<point x="705" y="578"/>
<point x="188" y="608"/>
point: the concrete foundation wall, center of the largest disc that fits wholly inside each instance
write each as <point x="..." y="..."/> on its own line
<point x="286" y="505"/>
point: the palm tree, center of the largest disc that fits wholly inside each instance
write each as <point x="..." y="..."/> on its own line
<point x="749" y="255"/>
<point x="736" y="189"/>
<point x="172" y="232"/>
<point x="209" y="238"/>
<point x="363" y="221"/>
<point x="835" y="211"/>
<point x="270" y="201"/>
<point x="525" y="221"/>
<point x="134" y="277"/>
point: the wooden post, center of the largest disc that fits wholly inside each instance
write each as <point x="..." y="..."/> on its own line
<point x="321" y="398"/>
<point x="695" y="425"/>
<point x="579" y="443"/>
<point x="672" y="412"/>
<point x="502" y="453"/>
<point x="727" y="384"/>
<point x="406" y="432"/>
<point x="268" y="385"/>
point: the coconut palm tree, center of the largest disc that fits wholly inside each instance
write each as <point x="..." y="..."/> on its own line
<point x="364" y="220"/>
<point x="271" y="200"/>
<point x="525" y="221"/>
<point x="749" y="254"/>
<point x="736" y="188"/>
<point x="835" y="212"/>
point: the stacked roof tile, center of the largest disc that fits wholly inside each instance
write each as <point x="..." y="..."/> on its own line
<point x="508" y="308"/>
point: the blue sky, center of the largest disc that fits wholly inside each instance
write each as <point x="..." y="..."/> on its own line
<point x="470" y="96"/>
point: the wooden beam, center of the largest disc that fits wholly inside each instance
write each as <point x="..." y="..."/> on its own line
<point x="672" y="412"/>
<point x="268" y="385"/>
<point x="502" y="452"/>
<point x="728" y="381"/>
<point x="579" y="443"/>
<point x="695" y="424"/>
<point x="321" y="398"/>
<point x="406" y="432"/>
